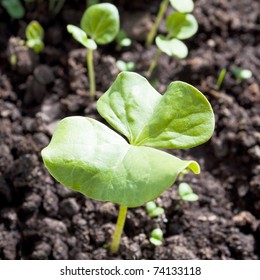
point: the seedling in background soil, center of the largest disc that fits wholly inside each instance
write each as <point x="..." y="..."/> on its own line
<point x="122" y="40"/>
<point x="153" y="210"/>
<point x="101" y="23"/>
<point x="156" y="237"/>
<point x="34" y="36"/>
<point x="87" y="156"/>
<point x="241" y="74"/>
<point x="180" y="25"/>
<point x="221" y="77"/>
<point x="186" y="193"/>
<point x="125" y="66"/>
<point x="182" y="6"/>
<point x="14" y="8"/>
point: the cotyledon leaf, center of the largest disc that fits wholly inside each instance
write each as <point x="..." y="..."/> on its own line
<point x="90" y="158"/>
<point x="128" y="104"/>
<point x="181" y="118"/>
<point x="101" y="22"/>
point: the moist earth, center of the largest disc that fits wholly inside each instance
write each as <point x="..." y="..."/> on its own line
<point x="41" y="219"/>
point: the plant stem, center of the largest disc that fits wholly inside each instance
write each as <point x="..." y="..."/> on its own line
<point x="119" y="228"/>
<point x="153" y="64"/>
<point x="221" y="78"/>
<point x="91" y="74"/>
<point x="159" y="17"/>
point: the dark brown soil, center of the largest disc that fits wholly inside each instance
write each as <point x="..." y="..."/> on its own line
<point x="41" y="219"/>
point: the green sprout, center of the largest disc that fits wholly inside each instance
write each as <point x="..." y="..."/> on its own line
<point x="153" y="210"/>
<point x="241" y="74"/>
<point x="125" y="66"/>
<point x="14" y="8"/>
<point x="186" y="193"/>
<point x="34" y="36"/>
<point x="182" y="6"/>
<point x="89" y="157"/>
<point x="221" y="77"/>
<point x="156" y="237"/>
<point x="180" y="25"/>
<point x="101" y="23"/>
<point x="123" y="40"/>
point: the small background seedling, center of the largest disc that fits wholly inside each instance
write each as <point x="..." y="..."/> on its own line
<point x="34" y="36"/>
<point x="156" y="237"/>
<point x="122" y="40"/>
<point x="101" y="23"/>
<point x="182" y="6"/>
<point x="14" y="8"/>
<point x="125" y="66"/>
<point x="221" y="77"/>
<point x="241" y="74"/>
<point x="153" y="210"/>
<point x="83" y="152"/>
<point x="180" y="25"/>
<point x="186" y="193"/>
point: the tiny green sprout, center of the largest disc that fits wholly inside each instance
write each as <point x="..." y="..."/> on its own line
<point x="89" y="157"/>
<point x="156" y="237"/>
<point x="241" y="74"/>
<point x="221" y="77"/>
<point x="123" y="40"/>
<point x="34" y="36"/>
<point x="99" y="25"/>
<point x="14" y="8"/>
<point x="125" y="66"/>
<point x="179" y="26"/>
<point x="153" y="210"/>
<point x="186" y="193"/>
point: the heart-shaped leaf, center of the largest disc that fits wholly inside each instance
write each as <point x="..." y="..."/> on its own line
<point x="181" y="26"/>
<point x="182" y="6"/>
<point x="172" y="47"/>
<point x="88" y="157"/>
<point x="181" y="118"/>
<point x="101" y="22"/>
<point x="80" y="36"/>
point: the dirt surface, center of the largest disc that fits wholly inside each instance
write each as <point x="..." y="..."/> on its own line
<point x="41" y="219"/>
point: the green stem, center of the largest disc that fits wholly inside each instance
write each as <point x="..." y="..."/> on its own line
<point x="221" y="78"/>
<point x="159" y="17"/>
<point x="153" y="64"/>
<point x="119" y="228"/>
<point x="91" y="74"/>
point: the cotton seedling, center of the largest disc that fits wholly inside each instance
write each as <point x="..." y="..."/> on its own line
<point x="180" y="25"/>
<point x="99" y="25"/>
<point x="122" y="40"/>
<point x="34" y="36"/>
<point x="221" y="77"/>
<point x="186" y="193"/>
<point x="89" y="157"/>
<point x="156" y="237"/>
<point x="241" y="74"/>
<point x="125" y="66"/>
<point x="153" y="210"/>
<point x="182" y="6"/>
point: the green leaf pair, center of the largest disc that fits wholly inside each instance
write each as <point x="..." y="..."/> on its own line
<point x="34" y="35"/>
<point x="100" y="22"/>
<point x="180" y="25"/>
<point x="89" y="157"/>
